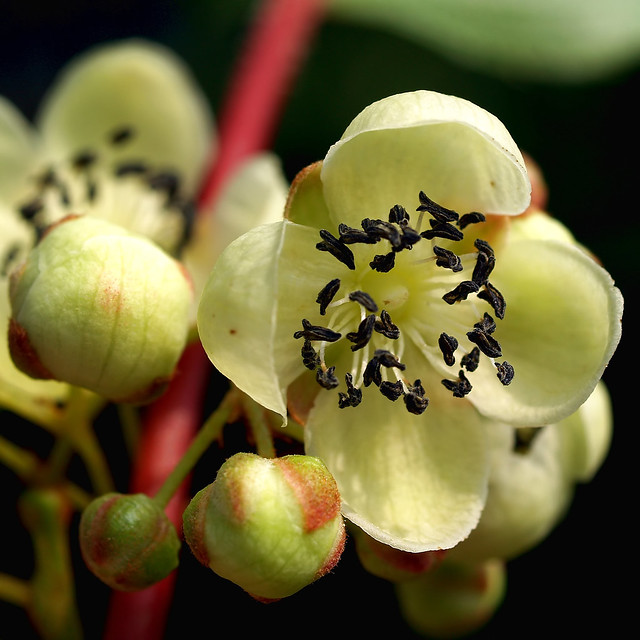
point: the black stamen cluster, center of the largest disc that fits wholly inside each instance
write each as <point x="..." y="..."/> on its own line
<point x="446" y="224"/>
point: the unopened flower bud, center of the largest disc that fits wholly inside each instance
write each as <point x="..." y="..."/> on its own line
<point x="98" y="307"/>
<point x="452" y="600"/>
<point x="128" y="541"/>
<point x="393" y="564"/>
<point x="271" y="526"/>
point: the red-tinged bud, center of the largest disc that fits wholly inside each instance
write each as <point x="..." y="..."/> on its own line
<point x="393" y="564"/>
<point x="127" y="541"/>
<point x="452" y="600"/>
<point x="98" y="307"/>
<point x="272" y="526"/>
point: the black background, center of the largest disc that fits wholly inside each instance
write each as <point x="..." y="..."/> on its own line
<point x="583" y="136"/>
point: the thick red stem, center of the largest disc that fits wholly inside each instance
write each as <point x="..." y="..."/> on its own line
<point x="273" y="53"/>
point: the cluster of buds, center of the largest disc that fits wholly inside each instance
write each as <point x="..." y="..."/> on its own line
<point x="271" y="526"/>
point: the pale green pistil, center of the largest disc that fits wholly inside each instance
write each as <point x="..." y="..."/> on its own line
<point x="402" y="282"/>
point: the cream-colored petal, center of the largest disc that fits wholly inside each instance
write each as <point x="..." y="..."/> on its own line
<point x="19" y="392"/>
<point x="460" y="155"/>
<point x="528" y="494"/>
<point x="254" y="195"/>
<point x="260" y="289"/>
<point x="539" y="225"/>
<point x="134" y="84"/>
<point x="416" y="483"/>
<point x="18" y="146"/>
<point x="561" y="327"/>
<point x="587" y="435"/>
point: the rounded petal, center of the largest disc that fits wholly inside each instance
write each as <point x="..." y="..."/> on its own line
<point x="539" y="225"/>
<point x="529" y="492"/>
<point x="133" y="84"/>
<point x="18" y="391"/>
<point x="416" y="483"/>
<point x="561" y="327"/>
<point x="587" y="433"/>
<point x="17" y="148"/>
<point x="460" y="155"/>
<point x="251" y="307"/>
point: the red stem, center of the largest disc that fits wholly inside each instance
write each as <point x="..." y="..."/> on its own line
<point x="273" y="53"/>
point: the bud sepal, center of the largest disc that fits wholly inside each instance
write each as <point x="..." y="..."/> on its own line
<point x="271" y="526"/>
<point x="101" y="308"/>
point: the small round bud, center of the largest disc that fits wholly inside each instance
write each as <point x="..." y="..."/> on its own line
<point x="271" y="526"/>
<point x="128" y="541"/>
<point x="452" y="600"/>
<point x="98" y="307"/>
<point x="393" y="564"/>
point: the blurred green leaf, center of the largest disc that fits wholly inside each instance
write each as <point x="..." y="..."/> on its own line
<point x="540" y="40"/>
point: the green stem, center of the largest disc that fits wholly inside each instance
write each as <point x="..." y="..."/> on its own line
<point x="23" y="463"/>
<point x="88" y="447"/>
<point x="79" y="433"/>
<point x="52" y="605"/>
<point x="131" y="426"/>
<point x="26" y="465"/>
<point x="210" y="431"/>
<point x="45" y="414"/>
<point x="259" y="427"/>
<point x="14" y="590"/>
<point x="58" y="461"/>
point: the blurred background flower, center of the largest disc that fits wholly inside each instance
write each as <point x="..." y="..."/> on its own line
<point x="575" y="114"/>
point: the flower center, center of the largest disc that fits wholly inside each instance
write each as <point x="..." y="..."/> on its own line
<point x="396" y="281"/>
<point x="109" y="184"/>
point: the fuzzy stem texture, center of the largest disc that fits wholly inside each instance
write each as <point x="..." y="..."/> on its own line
<point x="273" y="53"/>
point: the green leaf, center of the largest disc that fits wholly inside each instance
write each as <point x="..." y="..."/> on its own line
<point x="545" y="40"/>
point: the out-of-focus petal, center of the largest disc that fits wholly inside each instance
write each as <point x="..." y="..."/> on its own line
<point x="134" y="84"/>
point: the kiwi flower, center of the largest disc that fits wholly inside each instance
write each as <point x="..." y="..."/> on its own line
<point x="393" y="312"/>
<point x="124" y="136"/>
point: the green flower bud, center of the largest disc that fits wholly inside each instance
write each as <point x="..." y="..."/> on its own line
<point x="452" y="600"/>
<point x="128" y="541"/>
<point x="98" y="307"/>
<point x="271" y="526"/>
<point x="392" y="564"/>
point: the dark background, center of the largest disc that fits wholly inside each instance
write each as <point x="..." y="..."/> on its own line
<point x="583" y="136"/>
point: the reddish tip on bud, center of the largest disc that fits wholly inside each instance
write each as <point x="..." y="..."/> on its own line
<point x="393" y="564"/>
